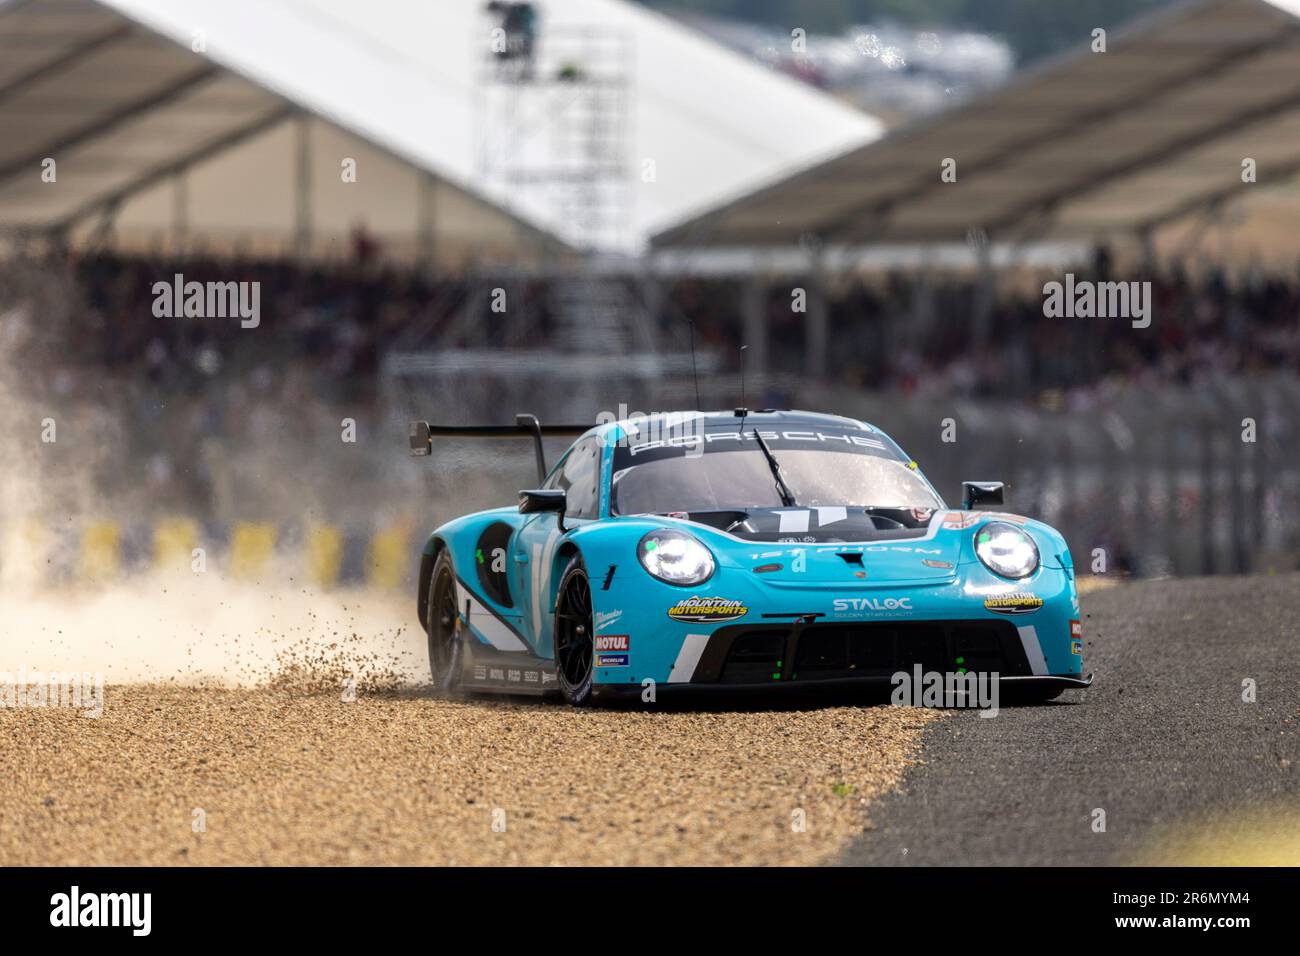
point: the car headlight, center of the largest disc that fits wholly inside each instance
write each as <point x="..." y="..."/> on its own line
<point x="675" y="557"/>
<point x="1006" y="550"/>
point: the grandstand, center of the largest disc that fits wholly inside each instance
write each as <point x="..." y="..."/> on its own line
<point x="1090" y="144"/>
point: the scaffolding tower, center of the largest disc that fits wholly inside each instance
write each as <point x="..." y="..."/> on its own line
<point x="554" y="128"/>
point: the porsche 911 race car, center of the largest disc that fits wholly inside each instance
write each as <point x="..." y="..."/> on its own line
<point x="743" y="548"/>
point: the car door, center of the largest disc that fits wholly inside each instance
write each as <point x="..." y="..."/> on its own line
<point x="578" y="475"/>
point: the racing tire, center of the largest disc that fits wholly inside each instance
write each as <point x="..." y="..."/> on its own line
<point x="442" y="627"/>
<point x="574" y="635"/>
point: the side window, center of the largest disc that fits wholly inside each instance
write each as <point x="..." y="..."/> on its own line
<point x="556" y="478"/>
<point x="579" y="475"/>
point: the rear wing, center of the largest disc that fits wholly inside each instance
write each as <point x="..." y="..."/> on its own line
<point x="421" y="435"/>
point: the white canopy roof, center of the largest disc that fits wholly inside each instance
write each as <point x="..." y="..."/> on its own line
<point x="114" y="91"/>
<point x="1153" y="128"/>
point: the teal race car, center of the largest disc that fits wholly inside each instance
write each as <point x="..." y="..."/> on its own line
<point x="740" y="549"/>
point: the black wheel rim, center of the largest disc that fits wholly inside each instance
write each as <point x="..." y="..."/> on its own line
<point x="442" y="623"/>
<point x="573" y="643"/>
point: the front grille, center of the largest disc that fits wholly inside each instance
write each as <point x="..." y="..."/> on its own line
<point x="756" y="657"/>
<point x="831" y="651"/>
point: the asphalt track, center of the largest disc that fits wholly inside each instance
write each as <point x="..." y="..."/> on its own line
<point x="1163" y="743"/>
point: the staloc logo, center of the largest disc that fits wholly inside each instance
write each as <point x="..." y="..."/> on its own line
<point x="103" y="909"/>
<point x="873" y="604"/>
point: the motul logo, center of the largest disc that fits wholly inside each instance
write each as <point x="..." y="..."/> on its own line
<point x="612" y="642"/>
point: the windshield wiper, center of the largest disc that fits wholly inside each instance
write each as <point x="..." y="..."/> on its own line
<point x="787" y="496"/>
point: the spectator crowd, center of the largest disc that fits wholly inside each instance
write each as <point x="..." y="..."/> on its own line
<point x="80" y="332"/>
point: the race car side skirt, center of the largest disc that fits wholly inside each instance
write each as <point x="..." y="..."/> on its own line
<point x="485" y="669"/>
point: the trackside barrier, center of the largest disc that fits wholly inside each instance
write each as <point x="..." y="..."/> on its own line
<point x="389" y="556"/>
<point x="101" y="551"/>
<point x="252" y="546"/>
<point x="324" y="555"/>
<point x="34" y="553"/>
<point x="174" y="542"/>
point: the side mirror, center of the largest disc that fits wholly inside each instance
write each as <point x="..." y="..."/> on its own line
<point x="419" y="435"/>
<point x="541" y="500"/>
<point x="981" y="493"/>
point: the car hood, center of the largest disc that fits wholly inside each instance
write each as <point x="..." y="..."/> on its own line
<point x="830" y="554"/>
<point x="835" y="546"/>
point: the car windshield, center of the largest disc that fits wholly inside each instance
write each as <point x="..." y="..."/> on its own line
<point x="739" y="478"/>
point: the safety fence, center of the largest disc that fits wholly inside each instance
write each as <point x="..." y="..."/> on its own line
<point x="1157" y="481"/>
<point x="1150" y="482"/>
<point x="1192" y="480"/>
